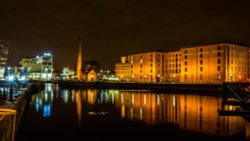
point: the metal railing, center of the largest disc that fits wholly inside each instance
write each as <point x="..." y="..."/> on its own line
<point x="6" y="111"/>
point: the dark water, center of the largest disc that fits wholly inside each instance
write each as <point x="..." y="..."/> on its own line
<point x="71" y="114"/>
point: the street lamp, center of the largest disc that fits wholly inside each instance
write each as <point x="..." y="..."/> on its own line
<point x="11" y="79"/>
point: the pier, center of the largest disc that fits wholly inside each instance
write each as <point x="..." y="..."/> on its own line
<point x="157" y="87"/>
<point x="237" y="95"/>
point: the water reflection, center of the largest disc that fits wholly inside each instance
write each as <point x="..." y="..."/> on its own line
<point x="189" y="112"/>
<point x="43" y="102"/>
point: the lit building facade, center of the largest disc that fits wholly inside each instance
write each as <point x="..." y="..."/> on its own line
<point x="122" y="70"/>
<point x="148" y="67"/>
<point x="68" y="73"/>
<point x="173" y="66"/>
<point x="215" y="63"/>
<point x="40" y="67"/>
<point x="4" y="50"/>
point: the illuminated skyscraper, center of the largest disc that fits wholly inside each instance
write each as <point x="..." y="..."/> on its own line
<point x="4" y="50"/>
<point x="79" y="60"/>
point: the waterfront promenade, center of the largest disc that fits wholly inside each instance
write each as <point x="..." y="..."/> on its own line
<point x="157" y="87"/>
<point x="13" y="102"/>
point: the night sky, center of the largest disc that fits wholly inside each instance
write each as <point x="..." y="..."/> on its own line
<point x="113" y="28"/>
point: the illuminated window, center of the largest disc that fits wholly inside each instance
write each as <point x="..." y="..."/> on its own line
<point x="141" y="61"/>
<point x="201" y="69"/>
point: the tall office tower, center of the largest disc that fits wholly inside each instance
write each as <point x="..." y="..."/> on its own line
<point x="79" y="60"/>
<point x="4" y="50"/>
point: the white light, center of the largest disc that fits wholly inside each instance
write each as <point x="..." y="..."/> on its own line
<point x="23" y="78"/>
<point x="47" y="54"/>
<point x="44" y="75"/>
<point x="11" y="78"/>
<point x="49" y="75"/>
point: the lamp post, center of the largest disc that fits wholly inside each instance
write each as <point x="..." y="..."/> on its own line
<point x="11" y="79"/>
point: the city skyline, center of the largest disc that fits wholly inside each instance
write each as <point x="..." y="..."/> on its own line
<point x="110" y="29"/>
